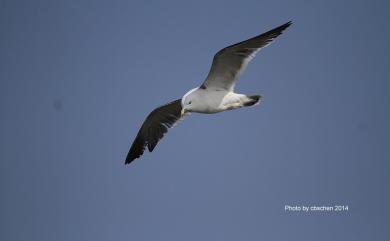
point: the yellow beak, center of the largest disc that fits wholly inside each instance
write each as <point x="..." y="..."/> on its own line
<point x="183" y="111"/>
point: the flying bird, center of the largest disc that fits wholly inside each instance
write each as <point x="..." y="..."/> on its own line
<point x="215" y="94"/>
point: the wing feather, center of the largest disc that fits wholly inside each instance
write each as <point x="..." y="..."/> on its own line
<point x="231" y="61"/>
<point x="154" y="128"/>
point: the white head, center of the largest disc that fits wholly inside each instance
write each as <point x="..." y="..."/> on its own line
<point x="189" y="101"/>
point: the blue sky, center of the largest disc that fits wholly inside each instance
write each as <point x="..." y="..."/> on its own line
<point x="78" y="78"/>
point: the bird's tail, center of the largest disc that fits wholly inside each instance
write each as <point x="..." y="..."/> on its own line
<point x="252" y="100"/>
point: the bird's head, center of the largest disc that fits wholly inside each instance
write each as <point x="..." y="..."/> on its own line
<point x="188" y="102"/>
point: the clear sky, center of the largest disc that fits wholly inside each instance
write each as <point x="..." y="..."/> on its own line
<point x="78" y="78"/>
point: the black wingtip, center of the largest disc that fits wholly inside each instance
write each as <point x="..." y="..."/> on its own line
<point x="129" y="160"/>
<point x="136" y="150"/>
<point x="273" y="33"/>
<point x="284" y="26"/>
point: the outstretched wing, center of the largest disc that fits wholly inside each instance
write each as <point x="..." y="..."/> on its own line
<point x="229" y="62"/>
<point x="154" y="128"/>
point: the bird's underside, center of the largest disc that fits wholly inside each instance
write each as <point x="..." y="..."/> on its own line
<point x="216" y="94"/>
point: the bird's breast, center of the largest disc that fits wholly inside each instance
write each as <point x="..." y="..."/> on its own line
<point x="210" y="101"/>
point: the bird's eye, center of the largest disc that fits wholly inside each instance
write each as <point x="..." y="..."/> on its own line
<point x="190" y="102"/>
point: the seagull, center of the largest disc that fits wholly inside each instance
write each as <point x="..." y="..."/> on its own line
<point x="216" y="94"/>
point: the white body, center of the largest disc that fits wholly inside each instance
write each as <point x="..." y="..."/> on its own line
<point x="211" y="100"/>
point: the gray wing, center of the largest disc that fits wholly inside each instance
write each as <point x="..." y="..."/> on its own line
<point x="154" y="128"/>
<point x="229" y="62"/>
